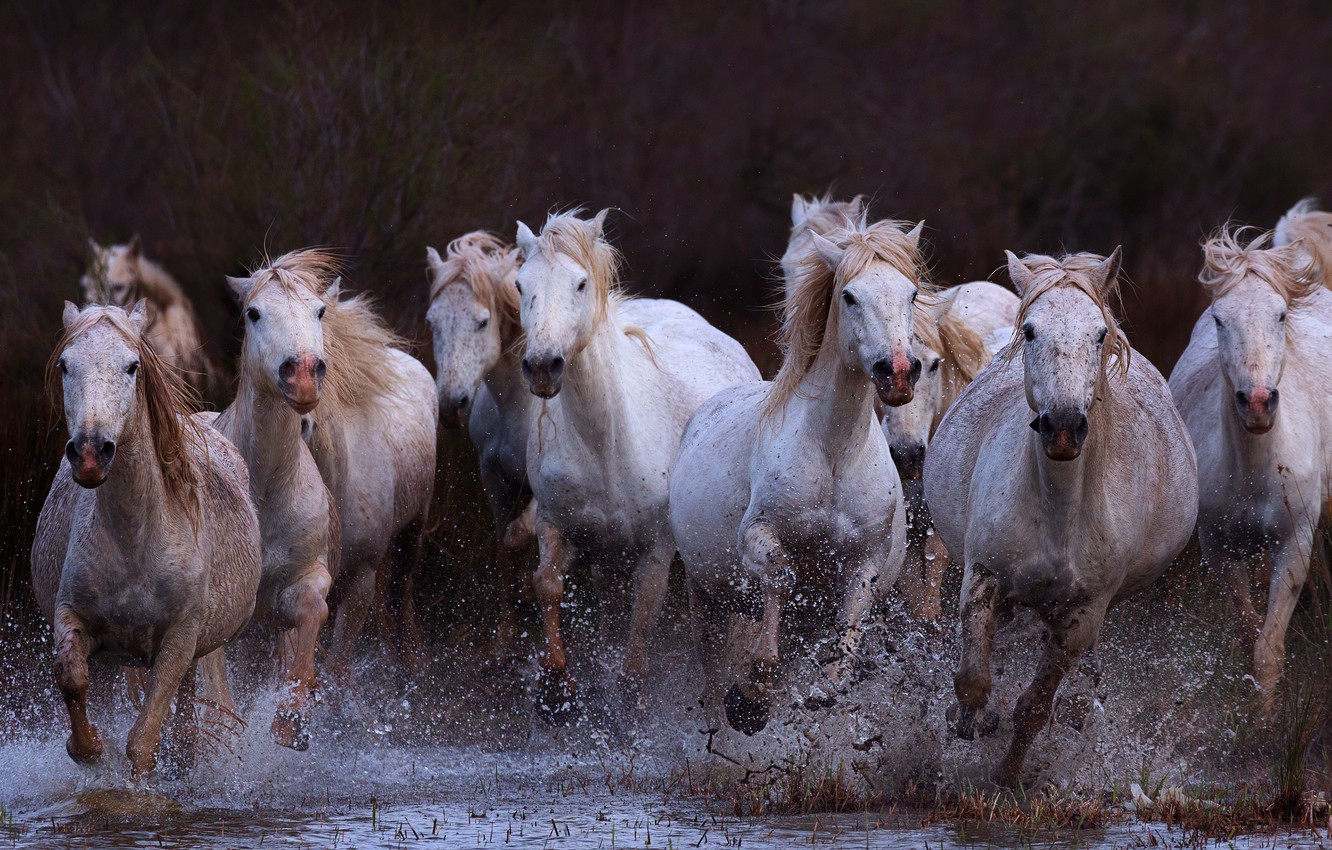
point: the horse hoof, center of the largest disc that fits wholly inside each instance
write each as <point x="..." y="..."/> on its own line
<point x="971" y="723"/>
<point x="745" y="715"/>
<point x="557" y="698"/>
<point x="291" y="730"/>
<point x="90" y="753"/>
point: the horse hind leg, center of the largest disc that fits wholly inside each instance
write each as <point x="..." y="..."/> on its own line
<point x="1073" y="635"/>
<point x="749" y="702"/>
<point x="711" y="645"/>
<point x="969" y="717"/>
<point x="304" y="605"/>
<point x="404" y="567"/>
<point x="73" y="646"/>
<point x="354" y="607"/>
<point x="182" y="748"/>
<point x="1290" y="568"/>
<point x="174" y="659"/>
<point x="649" y="583"/>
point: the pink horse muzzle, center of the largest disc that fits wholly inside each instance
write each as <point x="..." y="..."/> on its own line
<point x="1257" y="409"/>
<point x="895" y="380"/>
<point x="300" y="379"/>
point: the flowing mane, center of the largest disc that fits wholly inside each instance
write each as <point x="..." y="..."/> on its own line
<point x="166" y="400"/>
<point x="808" y="304"/>
<point x="823" y="215"/>
<point x="1311" y="227"/>
<point x="961" y="346"/>
<point x="1227" y="260"/>
<point x="489" y="267"/>
<point x="1072" y="271"/>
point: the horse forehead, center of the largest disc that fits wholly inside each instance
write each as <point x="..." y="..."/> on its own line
<point x="546" y="264"/>
<point x="1249" y="294"/>
<point x="99" y="341"/>
<point x="1065" y="309"/>
<point x="455" y="299"/>
<point x="885" y="280"/>
<point x="293" y="300"/>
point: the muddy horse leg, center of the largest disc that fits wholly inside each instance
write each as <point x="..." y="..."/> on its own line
<point x="710" y="644"/>
<point x="649" y="581"/>
<point x="357" y="598"/>
<point x="1071" y="635"/>
<point x="1290" y="568"/>
<point x="860" y="597"/>
<point x="304" y="608"/>
<point x="73" y="646"/>
<point x="404" y="565"/>
<point x="969" y="716"/>
<point x="174" y="659"/>
<point x="556" y="691"/>
<point x="749" y="701"/>
<point x="183" y="737"/>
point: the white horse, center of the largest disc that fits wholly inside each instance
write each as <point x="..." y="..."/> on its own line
<point x="154" y="561"/>
<point x="122" y="275"/>
<point x="785" y="490"/>
<point x="474" y="321"/>
<point x="1310" y="229"/>
<point x="954" y="332"/>
<point x="279" y="383"/>
<point x="1064" y="479"/>
<point x="1263" y="468"/>
<point x="618" y="397"/>
<point x="372" y="416"/>
<point x="816" y="215"/>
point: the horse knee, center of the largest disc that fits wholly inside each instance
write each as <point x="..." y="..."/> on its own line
<point x="972" y="687"/>
<point x="71" y="673"/>
<point x="548" y="584"/>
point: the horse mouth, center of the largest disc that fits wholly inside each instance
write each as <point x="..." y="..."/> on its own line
<point x="1063" y="449"/>
<point x="544" y="390"/>
<point x="90" y="479"/>
<point x="302" y="406"/>
<point x="894" y="393"/>
<point x="1258" y="427"/>
<point x="454" y="418"/>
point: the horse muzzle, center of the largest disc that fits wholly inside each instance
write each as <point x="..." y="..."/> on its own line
<point x="1257" y="409"/>
<point x="1062" y="433"/>
<point x="895" y="380"/>
<point x="300" y="379"/>
<point x="90" y="460"/>
<point x="454" y="410"/>
<point x="909" y="459"/>
<point x="544" y="375"/>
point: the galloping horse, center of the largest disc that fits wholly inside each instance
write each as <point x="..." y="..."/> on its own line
<point x="474" y="321"/>
<point x="1263" y="468"/>
<point x="372" y="426"/>
<point x="148" y="547"/>
<point x="122" y="275"/>
<point x="296" y="512"/>
<point x="617" y="398"/>
<point x="786" y="490"/>
<point x="1064" y="479"/>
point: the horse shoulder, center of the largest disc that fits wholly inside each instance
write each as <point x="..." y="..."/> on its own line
<point x="51" y="541"/>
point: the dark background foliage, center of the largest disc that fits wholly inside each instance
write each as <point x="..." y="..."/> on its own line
<point x="219" y="130"/>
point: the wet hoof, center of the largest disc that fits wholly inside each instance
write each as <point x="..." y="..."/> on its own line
<point x="143" y="761"/>
<point x="745" y="715"/>
<point x="557" y="698"/>
<point x="87" y="752"/>
<point x="291" y="729"/>
<point x="971" y="723"/>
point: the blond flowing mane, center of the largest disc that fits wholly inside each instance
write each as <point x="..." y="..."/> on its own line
<point x="166" y="400"/>
<point x="1306" y="224"/>
<point x="807" y="308"/>
<point x="961" y="347"/>
<point x="823" y="215"/>
<point x="1227" y="260"/>
<point x="1072" y="271"/>
<point x="489" y="267"/>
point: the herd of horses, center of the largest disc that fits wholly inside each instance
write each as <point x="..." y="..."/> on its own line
<point x="908" y="427"/>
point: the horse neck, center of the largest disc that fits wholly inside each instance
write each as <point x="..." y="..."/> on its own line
<point x="506" y="384"/>
<point x="134" y="498"/>
<point x="268" y="434"/>
<point x="1065" y="485"/>
<point x="834" y="406"/>
<point x="595" y="387"/>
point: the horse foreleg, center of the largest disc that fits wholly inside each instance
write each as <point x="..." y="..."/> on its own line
<point x="650" y="579"/>
<point x="173" y="661"/>
<point x="521" y="531"/>
<point x="73" y="646"/>
<point x="972" y="682"/>
<point x="352" y="612"/>
<point x="749" y="701"/>
<point x="216" y="686"/>
<point x="1290" y="567"/>
<point x="937" y="560"/>
<point x="509" y="573"/>
<point x="711" y="645"/>
<point x="304" y="606"/>
<point x="1070" y="637"/>
<point x="556" y="691"/>
<point x="859" y="598"/>
<point x="184" y="734"/>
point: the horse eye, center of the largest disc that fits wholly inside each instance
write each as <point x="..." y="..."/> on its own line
<point x="913" y="296"/>
<point x="582" y="284"/>
<point x="252" y="314"/>
<point x="1029" y="332"/>
<point x="934" y="367"/>
<point x="64" y="369"/>
<point x="321" y="312"/>
<point x="1217" y="319"/>
<point x="483" y="324"/>
<point x="1100" y="338"/>
<point x="1282" y="317"/>
<point x="519" y="287"/>
<point x="133" y="368"/>
<point x="849" y="298"/>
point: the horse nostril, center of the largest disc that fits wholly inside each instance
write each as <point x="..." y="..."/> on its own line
<point x="108" y="451"/>
<point x="321" y="368"/>
<point x="462" y="402"/>
<point x="557" y="365"/>
<point x="287" y="370"/>
<point x="882" y="369"/>
<point x="1272" y="397"/>
<point x="1242" y="397"/>
<point x="527" y="366"/>
<point x="915" y="368"/>
<point x="1082" y="425"/>
<point x="71" y="452"/>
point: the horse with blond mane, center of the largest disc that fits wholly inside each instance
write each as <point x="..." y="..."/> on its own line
<point x="1064" y="480"/>
<point x="371" y="414"/>
<point x="815" y="215"/>
<point x="617" y="396"/>
<point x="122" y="275"/>
<point x="147" y="549"/>
<point x="477" y="331"/>
<point x="1252" y="387"/>
<point x="952" y="330"/>
<point x="785" y="491"/>
<point x="297" y="516"/>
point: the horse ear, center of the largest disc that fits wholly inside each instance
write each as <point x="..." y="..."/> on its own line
<point x="914" y="234"/>
<point x="138" y="316"/>
<point x="1108" y="271"/>
<point x="134" y="249"/>
<point x="599" y="223"/>
<point x="93" y="248"/>
<point x="1018" y="272"/>
<point x="799" y="209"/>
<point x="941" y="304"/>
<point x="828" y="250"/>
<point x="434" y="262"/>
<point x="334" y="289"/>
<point x="856" y="209"/>
<point x="71" y="314"/>
<point x="240" y="286"/>
<point x="526" y="240"/>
